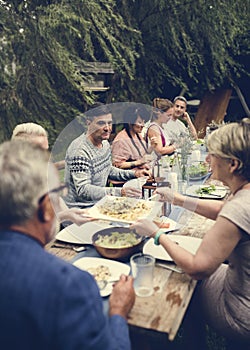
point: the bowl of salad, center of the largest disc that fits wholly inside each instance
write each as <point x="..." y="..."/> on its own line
<point x="197" y="170"/>
<point x="117" y="243"/>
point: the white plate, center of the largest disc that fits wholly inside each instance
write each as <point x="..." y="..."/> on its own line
<point x="218" y="193"/>
<point x="116" y="269"/>
<point x="81" y="234"/>
<point x="155" y="208"/>
<point x="172" y="224"/>
<point x="191" y="244"/>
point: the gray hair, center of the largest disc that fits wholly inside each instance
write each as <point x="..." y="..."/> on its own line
<point x="23" y="169"/>
<point x="232" y="141"/>
<point x="27" y="129"/>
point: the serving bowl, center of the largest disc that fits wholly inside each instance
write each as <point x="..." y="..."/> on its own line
<point x="113" y="251"/>
<point x="197" y="170"/>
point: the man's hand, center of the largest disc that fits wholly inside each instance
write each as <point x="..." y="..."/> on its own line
<point x="186" y="117"/>
<point x="122" y="298"/>
<point x="131" y="192"/>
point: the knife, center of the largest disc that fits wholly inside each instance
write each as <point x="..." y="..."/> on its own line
<point x="171" y="267"/>
<point x="171" y="231"/>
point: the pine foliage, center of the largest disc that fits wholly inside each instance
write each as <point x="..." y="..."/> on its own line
<point x="153" y="45"/>
<point x="197" y="45"/>
<point x="44" y="44"/>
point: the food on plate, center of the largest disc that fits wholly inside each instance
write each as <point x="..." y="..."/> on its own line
<point x="100" y="273"/>
<point x="117" y="240"/>
<point x="200" y="141"/>
<point x="125" y="208"/>
<point x="198" y="170"/>
<point x="206" y="190"/>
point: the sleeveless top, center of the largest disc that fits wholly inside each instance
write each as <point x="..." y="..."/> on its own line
<point x="161" y="133"/>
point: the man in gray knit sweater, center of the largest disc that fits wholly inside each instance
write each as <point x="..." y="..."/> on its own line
<point x="89" y="165"/>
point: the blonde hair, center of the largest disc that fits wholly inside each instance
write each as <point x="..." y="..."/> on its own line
<point x="232" y="141"/>
<point x="25" y="130"/>
<point x="160" y="105"/>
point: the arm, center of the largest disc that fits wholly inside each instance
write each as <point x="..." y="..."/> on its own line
<point x="75" y="215"/>
<point x="87" y="191"/>
<point x="81" y="322"/>
<point x="129" y="164"/>
<point x="206" y="207"/>
<point x="191" y="126"/>
<point x="215" y="247"/>
<point x="122" y="151"/>
<point x="157" y="144"/>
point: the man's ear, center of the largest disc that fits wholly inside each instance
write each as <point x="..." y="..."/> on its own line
<point x="45" y="210"/>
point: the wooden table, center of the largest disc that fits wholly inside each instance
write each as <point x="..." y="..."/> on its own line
<point x="165" y="309"/>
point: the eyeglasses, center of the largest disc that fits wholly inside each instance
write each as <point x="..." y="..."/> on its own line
<point x="219" y="157"/>
<point x="62" y="191"/>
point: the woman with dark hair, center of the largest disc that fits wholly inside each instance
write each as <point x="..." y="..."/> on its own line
<point x="129" y="149"/>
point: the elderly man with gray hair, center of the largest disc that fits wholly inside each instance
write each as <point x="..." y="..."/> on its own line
<point x="36" y="134"/>
<point x="45" y="302"/>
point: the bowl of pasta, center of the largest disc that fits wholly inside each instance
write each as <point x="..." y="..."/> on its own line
<point x="117" y="243"/>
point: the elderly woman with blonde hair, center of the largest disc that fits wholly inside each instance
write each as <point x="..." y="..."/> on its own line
<point x="223" y="296"/>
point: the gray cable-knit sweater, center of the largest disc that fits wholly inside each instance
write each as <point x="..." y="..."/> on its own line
<point x="87" y="170"/>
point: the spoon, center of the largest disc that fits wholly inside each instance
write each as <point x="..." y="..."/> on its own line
<point x="103" y="283"/>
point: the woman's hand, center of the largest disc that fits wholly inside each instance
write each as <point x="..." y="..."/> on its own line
<point x="75" y="215"/>
<point x="166" y="194"/>
<point x="145" y="227"/>
<point x="153" y="141"/>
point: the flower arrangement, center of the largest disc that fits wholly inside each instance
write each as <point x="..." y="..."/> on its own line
<point x="180" y="159"/>
<point x="213" y="126"/>
<point x="185" y="149"/>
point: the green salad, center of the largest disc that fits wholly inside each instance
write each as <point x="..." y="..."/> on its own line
<point x="198" y="170"/>
<point x="206" y="190"/>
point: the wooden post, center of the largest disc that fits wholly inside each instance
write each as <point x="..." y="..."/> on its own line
<point x="213" y="107"/>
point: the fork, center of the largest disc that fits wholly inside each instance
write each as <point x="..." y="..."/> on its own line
<point x="103" y="283"/>
<point x="76" y="249"/>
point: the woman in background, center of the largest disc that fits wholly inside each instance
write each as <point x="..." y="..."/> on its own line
<point x="129" y="149"/>
<point x="162" y="113"/>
